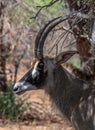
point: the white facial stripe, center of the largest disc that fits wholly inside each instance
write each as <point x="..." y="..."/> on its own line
<point x="35" y="72"/>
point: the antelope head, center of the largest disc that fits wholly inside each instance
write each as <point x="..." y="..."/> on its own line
<point x="42" y="71"/>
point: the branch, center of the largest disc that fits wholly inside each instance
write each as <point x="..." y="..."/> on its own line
<point x="45" y="6"/>
<point x="70" y="44"/>
<point x="64" y="41"/>
<point x="57" y="42"/>
<point x="65" y="34"/>
<point x="63" y="28"/>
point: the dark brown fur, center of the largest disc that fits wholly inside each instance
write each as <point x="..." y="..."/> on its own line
<point x="73" y="97"/>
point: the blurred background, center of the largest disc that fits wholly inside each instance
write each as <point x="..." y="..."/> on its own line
<point x="20" y="21"/>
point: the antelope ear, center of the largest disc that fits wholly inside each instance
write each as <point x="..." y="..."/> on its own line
<point x="64" y="56"/>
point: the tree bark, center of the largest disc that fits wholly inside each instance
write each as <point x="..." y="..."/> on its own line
<point x="2" y="50"/>
<point x="82" y="27"/>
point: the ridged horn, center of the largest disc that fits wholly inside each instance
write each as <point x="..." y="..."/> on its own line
<point x="42" y="34"/>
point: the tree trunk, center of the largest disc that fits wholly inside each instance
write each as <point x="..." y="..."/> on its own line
<point x="2" y="50"/>
<point x="82" y="27"/>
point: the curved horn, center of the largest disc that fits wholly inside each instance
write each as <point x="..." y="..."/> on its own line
<point x="48" y="28"/>
<point x="37" y="39"/>
<point x="39" y="35"/>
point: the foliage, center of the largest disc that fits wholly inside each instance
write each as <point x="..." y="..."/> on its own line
<point x="75" y="62"/>
<point x="23" y="12"/>
<point x="10" y="107"/>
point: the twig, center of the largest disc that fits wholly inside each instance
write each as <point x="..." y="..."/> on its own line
<point x="54" y="45"/>
<point x="63" y="28"/>
<point x="57" y="41"/>
<point x="56" y="49"/>
<point x="70" y="44"/>
<point x="64" y="41"/>
<point x="45" y="6"/>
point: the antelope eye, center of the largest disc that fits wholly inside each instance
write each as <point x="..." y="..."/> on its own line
<point x="41" y="65"/>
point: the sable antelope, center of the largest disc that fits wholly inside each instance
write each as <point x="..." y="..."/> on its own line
<point x="72" y="96"/>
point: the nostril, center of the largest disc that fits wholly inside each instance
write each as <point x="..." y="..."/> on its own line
<point x="15" y="89"/>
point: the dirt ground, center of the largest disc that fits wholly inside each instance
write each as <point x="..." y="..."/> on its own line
<point x="41" y="115"/>
<point x="31" y="127"/>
